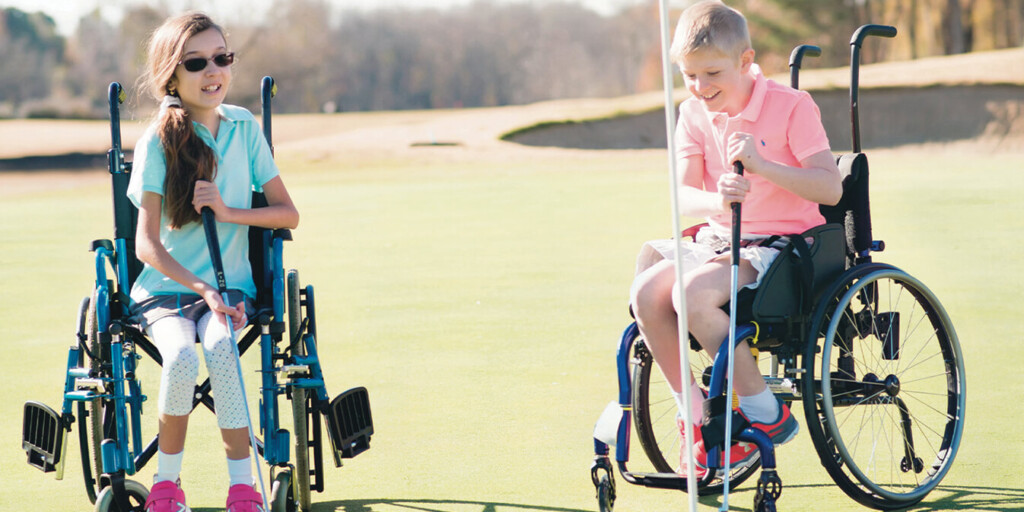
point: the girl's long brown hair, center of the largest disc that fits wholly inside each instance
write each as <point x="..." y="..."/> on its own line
<point x="188" y="157"/>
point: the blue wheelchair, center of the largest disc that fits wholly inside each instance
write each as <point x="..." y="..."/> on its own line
<point x="865" y="347"/>
<point x="102" y="394"/>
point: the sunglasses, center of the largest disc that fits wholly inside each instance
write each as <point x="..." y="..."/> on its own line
<point x="199" y="63"/>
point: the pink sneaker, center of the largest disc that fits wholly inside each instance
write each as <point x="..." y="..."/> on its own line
<point x="244" y="498"/>
<point x="166" y="496"/>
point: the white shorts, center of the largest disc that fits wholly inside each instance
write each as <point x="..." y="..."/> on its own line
<point x="706" y="247"/>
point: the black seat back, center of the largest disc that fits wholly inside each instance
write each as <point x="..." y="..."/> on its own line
<point x="853" y="211"/>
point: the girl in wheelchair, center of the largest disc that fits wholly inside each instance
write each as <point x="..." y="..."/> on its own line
<point x="199" y="152"/>
<point x="734" y="115"/>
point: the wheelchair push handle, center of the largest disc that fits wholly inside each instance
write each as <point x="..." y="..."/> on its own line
<point x="796" y="59"/>
<point x="213" y="242"/>
<point x="864" y="31"/>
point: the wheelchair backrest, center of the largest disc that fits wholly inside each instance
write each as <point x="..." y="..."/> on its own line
<point x="126" y="217"/>
<point x="853" y="211"/>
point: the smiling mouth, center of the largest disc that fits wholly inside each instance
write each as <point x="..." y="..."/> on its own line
<point x="710" y="97"/>
<point x="211" y="88"/>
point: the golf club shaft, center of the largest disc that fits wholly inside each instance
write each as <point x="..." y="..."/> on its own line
<point x="733" y="291"/>
<point x="213" y="243"/>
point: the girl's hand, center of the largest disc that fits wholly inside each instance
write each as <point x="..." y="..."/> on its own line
<point x="732" y="188"/>
<point x="743" y="149"/>
<point x="205" y="194"/>
<point x="220" y="309"/>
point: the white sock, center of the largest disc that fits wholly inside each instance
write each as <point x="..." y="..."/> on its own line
<point x="168" y="466"/>
<point x="696" y="403"/>
<point x="760" y="408"/>
<point x="240" y="471"/>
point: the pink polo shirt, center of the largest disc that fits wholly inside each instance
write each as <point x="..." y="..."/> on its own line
<point x="787" y="126"/>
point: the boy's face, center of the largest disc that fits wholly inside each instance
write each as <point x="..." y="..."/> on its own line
<point x="719" y="81"/>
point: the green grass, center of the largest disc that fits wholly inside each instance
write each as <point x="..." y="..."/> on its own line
<point x="480" y="303"/>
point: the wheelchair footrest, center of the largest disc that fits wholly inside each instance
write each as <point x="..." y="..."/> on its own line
<point x="349" y="422"/>
<point x="42" y="436"/>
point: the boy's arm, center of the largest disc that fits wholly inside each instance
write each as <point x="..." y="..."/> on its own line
<point x="696" y="202"/>
<point x="817" y="179"/>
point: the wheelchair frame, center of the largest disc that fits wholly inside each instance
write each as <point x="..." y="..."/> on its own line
<point x="102" y="393"/>
<point x="814" y="336"/>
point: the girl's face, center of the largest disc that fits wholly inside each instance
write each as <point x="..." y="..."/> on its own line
<point x="718" y="80"/>
<point x="203" y="90"/>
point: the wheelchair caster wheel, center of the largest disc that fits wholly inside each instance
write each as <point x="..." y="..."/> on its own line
<point x="605" y="494"/>
<point x="769" y="488"/>
<point x="282" y="495"/>
<point x="604" y="481"/>
<point x="137" y="494"/>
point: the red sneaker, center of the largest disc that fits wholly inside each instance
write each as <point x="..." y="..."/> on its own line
<point x="699" y="455"/>
<point x="783" y="429"/>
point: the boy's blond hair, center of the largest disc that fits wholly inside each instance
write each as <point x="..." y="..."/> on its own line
<point x="710" y="25"/>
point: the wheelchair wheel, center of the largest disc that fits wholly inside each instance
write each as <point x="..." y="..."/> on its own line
<point x="299" y="399"/>
<point x="654" y="418"/>
<point x="885" y="403"/>
<point x="281" y="496"/>
<point x="90" y="414"/>
<point x="137" y="494"/>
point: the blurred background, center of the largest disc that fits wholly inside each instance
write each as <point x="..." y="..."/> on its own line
<point x="58" y="57"/>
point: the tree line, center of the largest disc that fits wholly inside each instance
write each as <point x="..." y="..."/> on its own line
<point x="478" y="55"/>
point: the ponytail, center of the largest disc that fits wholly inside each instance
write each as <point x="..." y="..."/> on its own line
<point x="188" y="159"/>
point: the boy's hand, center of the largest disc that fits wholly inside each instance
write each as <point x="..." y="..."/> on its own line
<point x="732" y="188"/>
<point x="743" y="149"/>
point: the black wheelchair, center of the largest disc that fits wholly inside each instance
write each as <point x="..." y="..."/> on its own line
<point x="103" y="397"/>
<point x="866" y="348"/>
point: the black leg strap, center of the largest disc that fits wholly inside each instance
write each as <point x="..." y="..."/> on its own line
<point x="713" y="430"/>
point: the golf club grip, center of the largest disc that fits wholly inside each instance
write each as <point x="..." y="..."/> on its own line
<point x="737" y="167"/>
<point x="210" y="227"/>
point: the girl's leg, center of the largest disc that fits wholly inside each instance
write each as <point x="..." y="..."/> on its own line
<point x="175" y="338"/>
<point x="228" y="393"/>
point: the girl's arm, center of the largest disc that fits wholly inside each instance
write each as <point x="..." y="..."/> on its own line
<point x="280" y="211"/>
<point x="151" y="251"/>
<point x="817" y="179"/>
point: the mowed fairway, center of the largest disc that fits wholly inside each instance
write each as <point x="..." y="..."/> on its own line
<point x="480" y="298"/>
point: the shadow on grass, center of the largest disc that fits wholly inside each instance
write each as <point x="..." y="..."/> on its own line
<point x="434" y="505"/>
<point x="944" y="497"/>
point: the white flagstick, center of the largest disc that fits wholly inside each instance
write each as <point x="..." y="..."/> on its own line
<point x="684" y="345"/>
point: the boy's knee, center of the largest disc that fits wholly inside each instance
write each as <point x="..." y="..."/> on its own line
<point x="650" y="294"/>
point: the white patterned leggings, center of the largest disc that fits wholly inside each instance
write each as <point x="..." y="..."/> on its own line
<point x="175" y="337"/>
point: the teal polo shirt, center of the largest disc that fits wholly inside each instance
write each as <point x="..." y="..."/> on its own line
<point x="244" y="165"/>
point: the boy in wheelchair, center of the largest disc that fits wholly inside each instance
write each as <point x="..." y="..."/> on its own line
<point x="735" y="115"/>
<point x="199" y="153"/>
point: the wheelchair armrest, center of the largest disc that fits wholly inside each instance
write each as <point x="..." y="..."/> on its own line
<point x="692" y="231"/>
<point x="106" y="244"/>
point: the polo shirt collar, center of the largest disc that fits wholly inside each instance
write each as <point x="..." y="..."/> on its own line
<point x="228" y="118"/>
